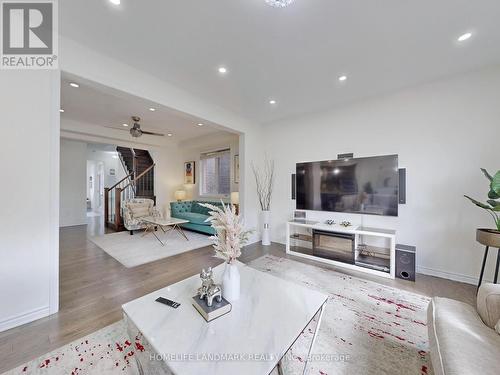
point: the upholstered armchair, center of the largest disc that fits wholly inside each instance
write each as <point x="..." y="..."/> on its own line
<point x="465" y="339"/>
<point x="135" y="209"/>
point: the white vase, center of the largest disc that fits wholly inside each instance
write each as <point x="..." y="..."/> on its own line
<point x="231" y="282"/>
<point x="266" y="228"/>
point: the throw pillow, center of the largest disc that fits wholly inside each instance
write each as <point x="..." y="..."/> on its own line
<point x="139" y="211"/>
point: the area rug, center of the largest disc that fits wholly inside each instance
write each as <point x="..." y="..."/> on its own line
<point x="132" y="251"/>
<point x="107" y="351"/>
<point x="367" y="328"/>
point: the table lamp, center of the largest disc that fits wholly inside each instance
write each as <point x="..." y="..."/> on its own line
<point x="235" y="201"/>
<point x="180" y="195"/>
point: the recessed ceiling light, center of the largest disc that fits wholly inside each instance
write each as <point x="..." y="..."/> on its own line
<point x="61" y="110"/>
<point x="342" y="78"/>
<point x="73" y="84"/>
<point x="116" y="2"/>
<point x="200" y="124"/>
<point x="272" y="101"/>
<point x="125" y="124"/>
<point x="464" y="37"/>
<point x="152" y="109"/>
<point x="222" y="70"/>
<point x="169" y="134"/>
<point x="279" y="3"/>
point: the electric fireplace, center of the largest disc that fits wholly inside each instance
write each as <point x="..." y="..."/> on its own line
<point x="334" y="246"/>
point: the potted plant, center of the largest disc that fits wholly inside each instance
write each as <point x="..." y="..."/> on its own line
<point x="264" y="180"/>
<point x="229" y="238"/>
<point x="485" y="236"/>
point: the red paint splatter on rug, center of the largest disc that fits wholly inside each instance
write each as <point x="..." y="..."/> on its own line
<point x="45" y="363"/>
<point x="376" y="335"/>
<point x="391" y="302"/>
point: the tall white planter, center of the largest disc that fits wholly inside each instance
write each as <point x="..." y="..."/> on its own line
<point x="266" y="228"/>
<point x="231" y="283"/>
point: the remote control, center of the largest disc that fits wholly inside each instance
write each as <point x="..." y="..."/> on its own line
<point x="168" y="302"/>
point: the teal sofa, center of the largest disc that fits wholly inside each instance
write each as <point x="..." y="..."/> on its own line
<point x="196" y="214"/>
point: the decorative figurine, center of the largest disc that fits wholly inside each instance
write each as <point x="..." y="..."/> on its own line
<point x="206" y="281"/>
<point x="209" y="289"/>
<point x="330" y="222"/>
<point x="215" y="291"/>
<point x="346" y="224"/>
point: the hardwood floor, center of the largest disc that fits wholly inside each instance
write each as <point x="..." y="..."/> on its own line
<point x="93" y="286"/>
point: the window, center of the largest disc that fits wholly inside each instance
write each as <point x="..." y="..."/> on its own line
<point x="215" y="176"/>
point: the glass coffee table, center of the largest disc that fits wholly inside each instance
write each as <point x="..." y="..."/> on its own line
<point x="167" y="225"/>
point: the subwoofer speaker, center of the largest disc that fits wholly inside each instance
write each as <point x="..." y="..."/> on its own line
<point x="405" y="262"/>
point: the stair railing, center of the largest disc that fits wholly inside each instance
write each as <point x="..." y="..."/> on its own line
<point x="113" y="197"/>
<point x="143" y="182"/>
<point x="124" y="190"/>
<point x="134" y="163"/>
<point x="124" y="166"/>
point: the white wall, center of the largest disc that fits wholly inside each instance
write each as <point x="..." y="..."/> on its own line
<point x="191" y="151"/>
<point x="73" y="168"/>
<point x="443" y="132"/>
<point x="29" y="240"/>
<point x="168" y="175"/>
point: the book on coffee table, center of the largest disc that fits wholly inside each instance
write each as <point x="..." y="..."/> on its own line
<point x="210" y="313"/>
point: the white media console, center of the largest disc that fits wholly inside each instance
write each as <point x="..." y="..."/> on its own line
<point x="373" y="249"/>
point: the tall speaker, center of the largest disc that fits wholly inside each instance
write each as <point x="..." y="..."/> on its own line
<point x="405" y="262"/>
<point x="293" y="186"/>
<point x="402" y="186"/>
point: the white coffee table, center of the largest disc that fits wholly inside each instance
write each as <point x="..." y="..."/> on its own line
<point x="172" y="223"/>
<point x="251" y="339"/>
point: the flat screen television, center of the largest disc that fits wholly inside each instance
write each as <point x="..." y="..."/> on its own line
<point x="359" y="185"/>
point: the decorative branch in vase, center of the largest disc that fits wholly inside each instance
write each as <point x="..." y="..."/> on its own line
<point x="264" y="180"/>
<point x="230" y="236"/>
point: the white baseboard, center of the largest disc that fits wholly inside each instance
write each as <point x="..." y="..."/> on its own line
<point x="72" y="224"/>
<point x="451" y="276"/>
<point x="27" y="317"/>
<point x="254" y="238"/>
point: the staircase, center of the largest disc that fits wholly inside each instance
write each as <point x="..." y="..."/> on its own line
<point x="138" y="183"/>
<point x="137" y="162"/>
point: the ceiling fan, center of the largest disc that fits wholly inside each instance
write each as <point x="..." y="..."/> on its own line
<point x="136" y="131"/>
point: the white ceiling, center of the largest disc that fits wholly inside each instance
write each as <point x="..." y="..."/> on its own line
<point x="293" y="55"/>
<point x="95" y="104"/>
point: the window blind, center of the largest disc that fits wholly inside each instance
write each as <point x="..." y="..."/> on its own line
<point x="215" y="173"/>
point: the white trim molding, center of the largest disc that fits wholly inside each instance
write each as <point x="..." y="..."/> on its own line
<point x="451" y="276"/>
<point x="24" y="318"/>
<point x="54" y="171"/>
